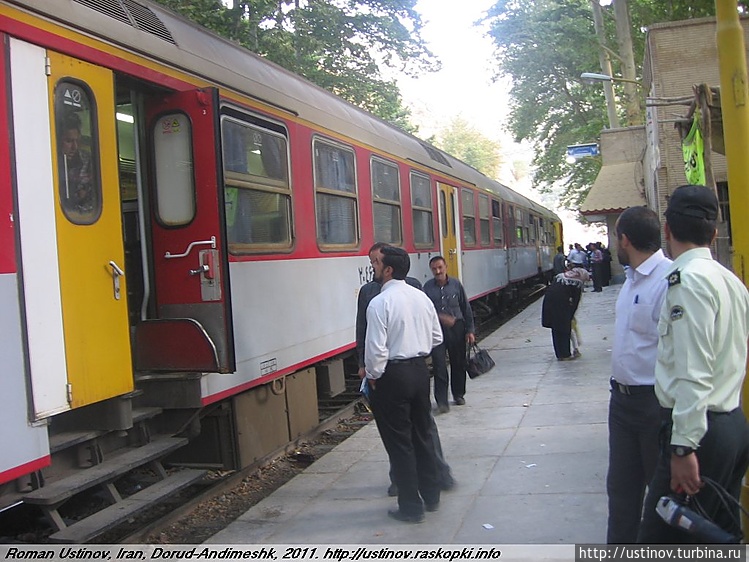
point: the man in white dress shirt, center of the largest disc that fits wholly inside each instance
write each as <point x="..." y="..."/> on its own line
<point x="402" y="329"/>
<point x="634" y="411"/>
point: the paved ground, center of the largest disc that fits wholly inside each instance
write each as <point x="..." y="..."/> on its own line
<point x="528" y="450"/>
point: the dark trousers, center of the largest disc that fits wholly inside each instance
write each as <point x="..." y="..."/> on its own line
<point x="402" y="410"/>
<point x="561" y="341"/>
<point x="597" y="276"/>
<point x="455" y="347"/>
<point x="723" y="456"/>
<point x="634" y="423"/>
<point x="444" y="474"/>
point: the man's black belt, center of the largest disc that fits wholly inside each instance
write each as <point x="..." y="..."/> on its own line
<point x="409" y="360"/>
<point x="630" y="389"/>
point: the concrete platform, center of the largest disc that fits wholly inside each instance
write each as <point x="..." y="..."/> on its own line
<point x="528" y="450"/>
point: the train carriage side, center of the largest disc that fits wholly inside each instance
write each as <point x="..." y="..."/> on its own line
<point x="229" y="213"/>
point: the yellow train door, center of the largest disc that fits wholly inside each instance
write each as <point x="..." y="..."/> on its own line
<point x="447" y="207"/>
<point x="89" y="231"/>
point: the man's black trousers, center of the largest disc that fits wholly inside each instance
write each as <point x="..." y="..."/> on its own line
<point x="402" y="410"/>
<point x="455" y="346"/>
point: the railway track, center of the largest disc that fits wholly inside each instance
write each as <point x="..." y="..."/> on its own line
<point x="199" y="511"/>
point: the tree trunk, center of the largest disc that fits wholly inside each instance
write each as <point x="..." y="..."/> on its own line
<point x="624" y="38"/>
<point x="605" y="62"/>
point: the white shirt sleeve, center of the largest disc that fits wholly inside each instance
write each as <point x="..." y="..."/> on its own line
<point x="375" y="346"/>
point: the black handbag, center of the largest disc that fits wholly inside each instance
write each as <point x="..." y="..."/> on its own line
<point x="478" y="361"/>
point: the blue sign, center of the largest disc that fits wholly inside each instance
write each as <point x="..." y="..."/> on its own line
<point x="583" y="150"/>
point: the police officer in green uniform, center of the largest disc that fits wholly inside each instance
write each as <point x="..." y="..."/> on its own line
<point x="702" y="351"/>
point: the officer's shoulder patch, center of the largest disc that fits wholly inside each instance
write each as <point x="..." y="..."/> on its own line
<point x="676" y="312"/>
<point x="674" y="278"/>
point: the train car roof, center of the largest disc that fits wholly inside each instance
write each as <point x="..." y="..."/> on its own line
<point x="157" y="33"/>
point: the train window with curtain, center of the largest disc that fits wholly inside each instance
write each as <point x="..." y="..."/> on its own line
<point x="421" y="205"/>
<point x="484" y="220"/>
<point x="175" y="181"/>
<point x="257" y="191"/>
<point x="335" y="194"/>
<point x="469" y="217"/>
<point x="77" y="152"/>
<point x="387" y="202"/>
<point x="497" y="222"/>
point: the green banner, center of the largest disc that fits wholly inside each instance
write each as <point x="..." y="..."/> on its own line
<point x="694" y="154"/>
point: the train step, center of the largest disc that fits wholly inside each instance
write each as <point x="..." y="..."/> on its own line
<point x="109" y="517"/>
<point x="49" y="498"/>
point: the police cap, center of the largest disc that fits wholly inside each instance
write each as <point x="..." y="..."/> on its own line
<point x="695" y="201"/>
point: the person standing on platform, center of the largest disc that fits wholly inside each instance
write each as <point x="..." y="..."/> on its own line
<point x="576" y="257"/>
<point x="634" y="411"/>
<point x="596" y="266"/>
<point x="700" y="369"/>
<point x="402" y="330"/>
<point x="560" y="303"/>
<point x="366" y="293"/>
<point x="456" y="318"/>
<point x="560" y="261"/>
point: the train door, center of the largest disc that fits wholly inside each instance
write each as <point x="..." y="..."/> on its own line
<point x="88" y="227"/>
<point x="193" y="325"/>
<point x="448" y="214"/>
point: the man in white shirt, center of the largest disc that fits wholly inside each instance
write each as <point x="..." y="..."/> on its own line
<point x="634" y="411"/>
<point x="402" y="329"/>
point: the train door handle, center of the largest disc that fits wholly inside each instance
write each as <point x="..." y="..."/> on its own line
<point x="116" y="274"/>
<point x="452" y="252"/>
<point x="202" y="269"/>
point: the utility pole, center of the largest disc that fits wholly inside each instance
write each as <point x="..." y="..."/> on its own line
<point x="605" y="61"/>
<point x="624" y="38"/>
<point x="734" y="97"/>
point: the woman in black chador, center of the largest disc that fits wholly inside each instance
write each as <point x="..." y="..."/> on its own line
<point x="560" y="304"/>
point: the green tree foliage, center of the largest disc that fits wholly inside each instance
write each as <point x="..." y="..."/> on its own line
<point x="348" y="47"/>
<point x="543" y="46"/>
<point x="466" y="143"/>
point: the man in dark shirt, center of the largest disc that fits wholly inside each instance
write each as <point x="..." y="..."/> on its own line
<point x="560" y="261"/>
<point x="366" y="294"/>
<point x="456" y="319"/>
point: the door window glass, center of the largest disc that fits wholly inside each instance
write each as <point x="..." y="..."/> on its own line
<point x="497" y="222"/>
<point x="386" y="205"/>
<point x="175" y="183"/>
<point x="335" y="194"/>
<point x="421" y="203"/>
<point x="257" y="192"/>
<point x="77" y="152"/>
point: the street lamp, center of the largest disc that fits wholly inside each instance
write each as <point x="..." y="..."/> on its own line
<point x="630" y="95"/>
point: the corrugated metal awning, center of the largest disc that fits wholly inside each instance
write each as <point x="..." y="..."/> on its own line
<point x="616" y="188"/>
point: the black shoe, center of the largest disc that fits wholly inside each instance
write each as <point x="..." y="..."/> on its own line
<point x="392" y="490"/>
<point x="460" y="401"/>
<point x="432" y="507"/>
<point x="398" y="515"/>
<point x="442" y="409"/>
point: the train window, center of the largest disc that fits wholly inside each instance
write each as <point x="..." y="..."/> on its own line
<point x="77" y="152"/>
<point x="257" y="193"/>
<point x="519" y="225"/>
<point x="175" y="185"/>
<point x="387" y="202"/>
<point x="484" y="220"/>
<point x="421" y="203"/>
<point x="469" y="217"/>
<point x="335" y="194"/>
<point x="497" y="222"/>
